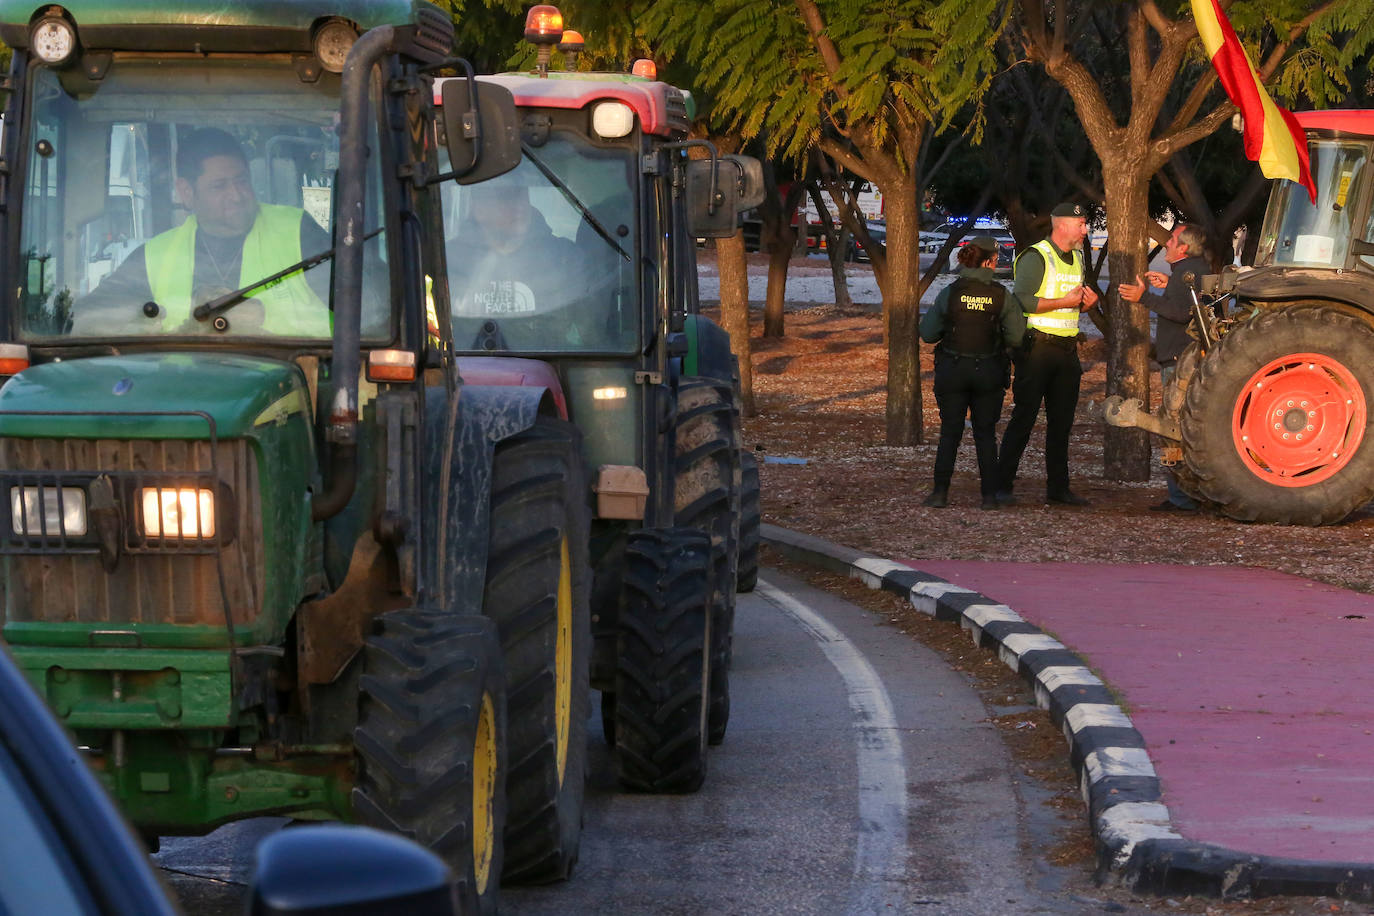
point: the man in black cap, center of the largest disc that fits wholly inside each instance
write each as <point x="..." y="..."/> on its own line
<point x="1049" y="285"/>
<point x="972" y="323"/>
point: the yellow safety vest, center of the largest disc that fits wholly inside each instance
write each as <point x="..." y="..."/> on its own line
<point x="1059" y="280"/>
<point x="290" y="306"/>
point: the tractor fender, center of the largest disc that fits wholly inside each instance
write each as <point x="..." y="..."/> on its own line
<point x="708" y="350"/>
<point x="1282" y="285"/>
<point x="507" y="371"/>
<point x="463" y="435"/>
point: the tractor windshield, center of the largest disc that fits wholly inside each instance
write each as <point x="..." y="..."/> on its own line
<point x="541" y="259"/>
<point x="1299" y="233"/>
<point x="168" y="184"/>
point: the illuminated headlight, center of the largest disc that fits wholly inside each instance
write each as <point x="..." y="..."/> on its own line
<point x="53" y="39"/>
<point x="178" y="513"/>
<point x="613" y="119"/>
<point x="609" y="394"/>
<point x="42" y="511"/>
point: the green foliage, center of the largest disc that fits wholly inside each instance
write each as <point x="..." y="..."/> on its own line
<point x="909" y="61"/>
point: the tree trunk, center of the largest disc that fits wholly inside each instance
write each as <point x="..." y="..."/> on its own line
<point x="1126" y="452"/>
<point x="734" y="312"/>
<point x="838" y="247"/>
<point x="901" y="305"/>
<point x="779" y="253"/>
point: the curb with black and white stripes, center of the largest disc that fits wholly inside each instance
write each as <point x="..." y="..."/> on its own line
<point x="1136" y="841"/>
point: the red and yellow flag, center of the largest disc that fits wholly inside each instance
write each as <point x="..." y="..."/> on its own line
<point x="1273" y="137"/>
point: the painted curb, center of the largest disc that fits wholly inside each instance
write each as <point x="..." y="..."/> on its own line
<point x="1136" y="841"/>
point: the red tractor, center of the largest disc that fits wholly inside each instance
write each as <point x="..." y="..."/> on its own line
<point x="1268" y="418"/>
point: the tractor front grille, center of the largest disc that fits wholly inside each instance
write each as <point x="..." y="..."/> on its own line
<point x="123" y="567"/>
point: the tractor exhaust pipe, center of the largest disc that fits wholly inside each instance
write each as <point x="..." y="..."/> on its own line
<point x="341" y="431"/>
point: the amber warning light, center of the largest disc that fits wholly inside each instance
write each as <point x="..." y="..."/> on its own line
<point x="14" y="359"/>
<point x="543" y="25"/>
<point x="645" y="68"/>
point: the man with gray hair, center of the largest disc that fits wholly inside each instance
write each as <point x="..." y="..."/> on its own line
<point x="1171" y="298"/>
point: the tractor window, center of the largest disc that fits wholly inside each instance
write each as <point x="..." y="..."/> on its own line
<point x="170" y="183"/>
<point x="528" y="271"/>
<point x="1300" y="233"/>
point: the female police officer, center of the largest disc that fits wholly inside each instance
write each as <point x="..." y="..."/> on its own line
<point x="973" y="325"/>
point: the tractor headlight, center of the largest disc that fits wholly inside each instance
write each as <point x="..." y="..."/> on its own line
<point x="612" y="119"/>
<point x="48" y="511"/>
<point x="53" y="40"/>
<point x="172" y="512"/>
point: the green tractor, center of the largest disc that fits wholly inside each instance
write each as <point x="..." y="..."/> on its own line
<point x="1269" y="415"/>
<point x="269" y="553"/>
<point x="579" y="271"/>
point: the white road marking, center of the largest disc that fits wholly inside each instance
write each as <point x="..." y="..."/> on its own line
<point x="881" y="853"/>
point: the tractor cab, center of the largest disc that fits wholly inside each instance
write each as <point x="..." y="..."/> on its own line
<point x="1328" y="232"/>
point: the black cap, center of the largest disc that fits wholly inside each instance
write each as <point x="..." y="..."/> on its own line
<point x="1068" y="208"/>
<point x="985" y="243"/>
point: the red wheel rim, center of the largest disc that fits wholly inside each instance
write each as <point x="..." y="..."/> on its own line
<point x="1299" y="420"/>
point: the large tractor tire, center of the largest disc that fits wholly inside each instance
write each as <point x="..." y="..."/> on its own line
<point x="1276" y="420"/>
<point x="431" y="742"/>
<point x="663" y="661"/>
<point x="706" y="491"/>
<point x="537" y="593"/>
<point x="750" y="523"/>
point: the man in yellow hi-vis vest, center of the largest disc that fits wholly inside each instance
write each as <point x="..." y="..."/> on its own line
<point x="228" y="241"/>
<point x="1049" y="284"/>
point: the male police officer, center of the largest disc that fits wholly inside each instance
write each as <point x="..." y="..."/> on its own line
<point x="972" y="324"/>
<point x="1049" y="285"/>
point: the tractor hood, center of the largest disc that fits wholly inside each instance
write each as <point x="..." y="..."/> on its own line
<point x="150" y="396"/>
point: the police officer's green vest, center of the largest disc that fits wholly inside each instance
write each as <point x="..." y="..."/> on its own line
<point x="1059" y="280"/>
<point x="291" y="307"/>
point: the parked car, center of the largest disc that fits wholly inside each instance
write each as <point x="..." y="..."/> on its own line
<point x="66" y="848"/>
<point x="856" y="252"/>
<point x="1006" y="250"/>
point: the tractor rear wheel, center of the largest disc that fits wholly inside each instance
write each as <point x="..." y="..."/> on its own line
<point x="431" y="740"/>
<point x="537" y="593"/>
<point x="663" y="661"/>
<point x="1276" y="420"/>
<point x="706" y="490"/>
<point x="750" y="521"/>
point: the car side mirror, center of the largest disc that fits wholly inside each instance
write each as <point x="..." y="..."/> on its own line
<point x="311" y="871"/>
<point x="483" y="131"/>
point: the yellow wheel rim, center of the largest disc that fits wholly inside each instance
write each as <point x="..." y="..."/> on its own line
<point x="483" y="794"/>
<point x="563" y="661"/>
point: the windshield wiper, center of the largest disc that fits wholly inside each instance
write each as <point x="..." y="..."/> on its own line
<point x="572" y="199"/>
<point x="222" y="304"/>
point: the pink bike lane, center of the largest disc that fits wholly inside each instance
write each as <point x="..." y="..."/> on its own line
<point x="1251" y="689"/>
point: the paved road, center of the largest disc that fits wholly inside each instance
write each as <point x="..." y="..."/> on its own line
<point x="859" y="775"/>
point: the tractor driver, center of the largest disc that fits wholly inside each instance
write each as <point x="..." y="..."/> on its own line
<point x="228" y="241"/>
<point x="509" y="271"/>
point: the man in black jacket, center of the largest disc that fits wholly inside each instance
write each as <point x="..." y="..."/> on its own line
<point x="1171" y="298"/>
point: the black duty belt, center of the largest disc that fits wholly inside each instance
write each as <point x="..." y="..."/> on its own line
<point x="1055" y="340"/>
<point x="945" y="351"/>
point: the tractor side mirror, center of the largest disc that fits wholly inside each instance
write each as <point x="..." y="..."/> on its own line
<point x="710" y="217"/>
<point x="748" y="181"/>
<point x="483" y="131"/>
<point x="739" y="187"/>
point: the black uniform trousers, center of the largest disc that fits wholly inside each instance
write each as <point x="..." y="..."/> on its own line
<point x="1047" y="372"/>
<point x="968" y="385"/>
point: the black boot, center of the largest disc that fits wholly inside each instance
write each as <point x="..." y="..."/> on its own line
<point x="938" y="498"/>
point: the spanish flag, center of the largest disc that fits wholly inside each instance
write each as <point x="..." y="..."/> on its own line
<point x="1272" y="135"/>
